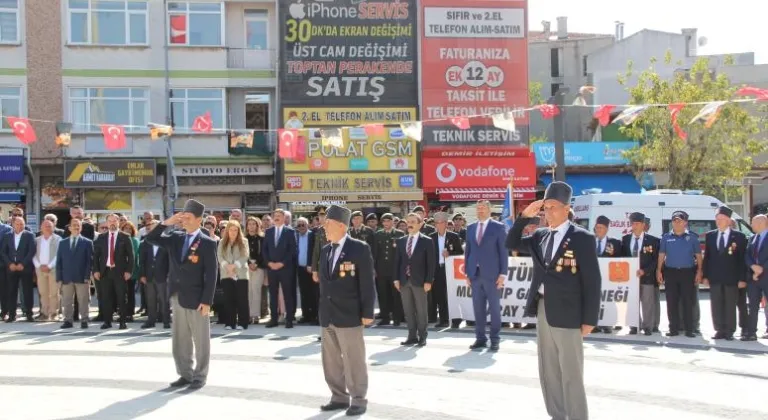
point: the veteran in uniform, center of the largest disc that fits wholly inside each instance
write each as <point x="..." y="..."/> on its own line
<point x="564" y="296"/>
<point x="346" y="306"/>
<point x="320" y="241"/>
<point x="360" y="231"/>
<point x="645" y="247"/>
<point x="384" y="247"/>
<point x="372" y="221"/>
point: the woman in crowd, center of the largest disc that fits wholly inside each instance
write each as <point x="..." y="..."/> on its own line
<point x="130" y="229"/>
<point x="233" y="257"/>
<point x="255" y="236"/>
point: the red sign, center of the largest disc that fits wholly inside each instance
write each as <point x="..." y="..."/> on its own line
<point x="478" y="172"/>
<point x="483" y="195"/>
<point x="474" y="152"/>
<point x="474" y="62"/>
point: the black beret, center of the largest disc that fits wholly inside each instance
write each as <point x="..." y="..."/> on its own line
<point x="636" y="217"/>
<point x="725" y="211"/>
<point x="559" y="191"/>
<point x="357" y="213"/>
<point x="387" y="216"/>
<point x="371" y="216"/>
<point x="602" y="220"/>
<point x="418" y="208"/>
<point x="339" y="214"/>
<point x="679" y="214"/>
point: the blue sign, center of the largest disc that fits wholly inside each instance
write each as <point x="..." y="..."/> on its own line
<point x="11" y="168"/>
<point x="407" y="181"/>
<point x="585" y="153"/>
<point x="358" y="164"/>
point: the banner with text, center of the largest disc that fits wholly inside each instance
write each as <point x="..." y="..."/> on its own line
<point x="620" y="291"/>
<point x="474" y="61"/>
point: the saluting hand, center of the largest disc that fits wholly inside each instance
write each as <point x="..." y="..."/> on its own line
<point x="173" y="220"/>
<point x="532" y="210"/>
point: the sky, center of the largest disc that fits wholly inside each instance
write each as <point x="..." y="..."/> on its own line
<point x="730" y="26"/>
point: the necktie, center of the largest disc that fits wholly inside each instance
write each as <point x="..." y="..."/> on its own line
<point x="721" y="243"/>
<point x="111" y="249"/>
<point x="409" y="251"/>
<point x="756" y="247"/>
<point x="598" y="246"/>
<point x="635" y="247"/>
<point x="187" y="244"/>
<point x="550" y="247"/>
<point x="331" y="257"/>
<point x="73" y="243"/>
<point x="277" y="235"/>
<point x="480" y="232"/>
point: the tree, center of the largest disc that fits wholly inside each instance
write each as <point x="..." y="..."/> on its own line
<point x="710" y="157"/>
<point x="535" y="98"/>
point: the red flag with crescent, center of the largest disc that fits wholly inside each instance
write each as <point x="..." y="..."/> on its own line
<point x="288" y="143"/>
<point x="22" y="129"/>
<point x="203" y="123"/>
<point x="114" y="136"/>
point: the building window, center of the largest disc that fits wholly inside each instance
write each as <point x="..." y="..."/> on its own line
<point x="10" y="105"/>
<point x="196" y="24"/>
<point x="256" y="29"/>
<point x="91" y="107"/>
<point x="9" y="21"/>
<point x="108" y="22"/>
<point x="188" y="104"/>
<point x="554" y="62"/>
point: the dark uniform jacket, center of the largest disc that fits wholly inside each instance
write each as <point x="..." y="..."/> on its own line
<point x="648" y="252"/>
<point x="573" y="299"/>
<point x="612" y="248"/>
<point x="317" y="246"/>
<point x="153" y="266"/>
<point x="364" y="234"/>
<point x="347" y="290"/>
<point x="384" y="247"/>
<point x="725" y="266"/>
<point x="428" y="229"/>
<point x="452" y="244"/>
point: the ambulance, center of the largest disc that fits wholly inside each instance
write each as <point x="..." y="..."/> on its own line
<point x="658" y="205"/>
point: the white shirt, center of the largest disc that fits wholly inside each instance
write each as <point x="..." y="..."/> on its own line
<point x="558" y="236"/>
<point x="726" y="234"/>
<point x="413" y="245"/>
<point x="16" y="239"/>
<point x="639" y="240"/>
<point x="45" y="254"/>
<point x="338" y="250"/>
<point x="441" y="246"/>
<point x="154" y="250"/>
<point x="278" y="232"/>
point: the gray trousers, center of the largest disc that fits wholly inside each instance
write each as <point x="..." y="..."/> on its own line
<point x="68" y="292"/>
<point x="415" y="310"/>
<point x="657" y="313"/>
<point x="648" y="305"/>
<point x="190" y="335"/>
<point x="696" y="311"/>
<point x="561" y="369"/>
<point x="723" y="300"/>
<point x="343" y="356"/>
<point x="157" y="299"/>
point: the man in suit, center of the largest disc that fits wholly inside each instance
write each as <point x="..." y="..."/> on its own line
<point x="645" y="247"/>
<point x="606" y="247"/>
<point x="56" y="231"/>
<point x="724" y="271"/>
<point x="414" y="272"/>
<point x="193" y="268"/>
<point x="45" y="261"/>
<point x="486" y="263"/>
<point x="346" y="306"/>
<point x="4" y="229"/>
<point x="153" y="263"/>
<point x="305" y="241"/>
<point x="446" y="243"/>
<point x="18" y="254"/>
<point x="280" y="256"/>
<point x="113" y="261"/>
<point x="567" y="275"/>
<point x="757" y="285"/>
<point x="73" y="270"/>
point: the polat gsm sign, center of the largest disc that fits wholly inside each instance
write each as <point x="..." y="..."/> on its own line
<point x="474" y="173"/>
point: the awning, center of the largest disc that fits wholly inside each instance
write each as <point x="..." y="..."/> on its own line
<point x="493" y="194"/>
<point x="608" y="183"/>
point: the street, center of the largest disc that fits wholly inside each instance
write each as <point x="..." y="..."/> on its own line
<point x="276" y="374"/>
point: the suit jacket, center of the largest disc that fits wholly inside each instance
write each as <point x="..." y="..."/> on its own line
<point x="153" y="266"/>
<point x="725" y="266"/>
<point x="284" y="251"/>
<point x="488" y="259"/>
<point x="427" y="229"/>
<point x="23" y="255"/>
<point x="452" y="245"/>
<point x="757" y="254"/>
<point x="422" y="261"/>
<point x="74" y="265"/>
<point x="124" y="258"/>
<point x="310" y="247"/>
<point x="53" y="247"/>
<point x="191" y="276"/>
<point x="612" y="248"/>
<point x="575" y="296"/>
<point x="346" y="298"/>
<point x="648" y="254"/>
<point x="87" y="231"/>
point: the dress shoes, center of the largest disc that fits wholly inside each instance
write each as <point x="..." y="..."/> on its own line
<point x="271" y="324"/>
<point x="180" y="382"/>
<point x="333" y="406"/>
<point x="478" y="345"/>
<point x="122" y="326"/>
<point x="494" y="347"/>
<point x="84" y="325"/>
<point x="66" y="325"/>
<point x="690" y="334"/>
<point x="196" y="384"/>
<point x="355" y="410"/>
<point x="409" y="342"/>
<point x="647" y="332"/>
<point x="288" y="324"/>
<point x="422" y="342"/>
<point x="718" y="336"/>
<point x="673" y="334"/>
<point x="106" y="326"/>
<point x="148" y="325"/>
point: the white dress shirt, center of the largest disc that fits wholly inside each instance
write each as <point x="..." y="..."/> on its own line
<point x="413" y="245"/>
<point x="558" y="238"/>
<point x="726" y="234"/>
<point x="154" y="250"/>
<point x="45" y="254"/>
<point x="16" y="239"/>
<point x="109" y="246"/>
<point x="337" y="253"/>
<point x="639" y="240"/>
<point x="441" y="246"/>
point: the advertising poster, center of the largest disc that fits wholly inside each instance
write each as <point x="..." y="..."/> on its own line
<point x="112" y="173"/>
<point x="474" y="62"/>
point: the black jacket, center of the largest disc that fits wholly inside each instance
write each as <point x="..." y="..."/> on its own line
<point x="153" y="267"/>
<point x="254" y="248"/>
<point x="612" y="248"/>
<point x="452" y="244"/>
<point x="725" y="266"/>
<point x="346" y="298"/>
<point x="23" y="255"/>
<point x="422" y="261"/>
<point x="124" y="258"/>
<point x="648" y="252"/>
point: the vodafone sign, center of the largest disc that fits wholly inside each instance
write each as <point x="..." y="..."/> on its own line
<point x="478" y="172"/>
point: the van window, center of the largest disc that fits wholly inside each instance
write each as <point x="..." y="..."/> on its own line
<point x="744" y="228"/>
<point x="699" y="227"/>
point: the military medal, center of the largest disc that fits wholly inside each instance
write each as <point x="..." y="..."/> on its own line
<point x="573" y="267"/>
<point x="559" y="268"/>
<point x="342" y="273"/>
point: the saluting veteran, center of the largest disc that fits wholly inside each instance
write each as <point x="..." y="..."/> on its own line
<point x="564" y="296"/>
<point x="346" y="306"/>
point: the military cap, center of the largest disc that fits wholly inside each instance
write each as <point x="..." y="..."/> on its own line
<point x="357" y="213"/>
<point x="602" y="220"/>
<point x="371" y="216"/>
<point x="679" y="214"/>
<point x="559" y="191"/>
<point x="457" y="216"/>
<point x="725" y="211"/>
<point x="636" y="217"/>
<point x="419" y="208"/>
<point x="387" y="216"/>
<point x="339" y="214"/>
<point x="195" y="207"/>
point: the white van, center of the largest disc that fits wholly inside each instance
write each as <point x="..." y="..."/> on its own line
<point x="658" y="205"/>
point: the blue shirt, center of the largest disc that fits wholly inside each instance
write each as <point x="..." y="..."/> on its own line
<point x="680" y="250"/>
<point x="303" y="241"/>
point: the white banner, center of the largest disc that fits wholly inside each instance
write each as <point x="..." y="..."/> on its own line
<point x="620" y="291"/>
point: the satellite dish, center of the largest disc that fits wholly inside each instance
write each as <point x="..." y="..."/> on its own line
<point x="703" y="41"/>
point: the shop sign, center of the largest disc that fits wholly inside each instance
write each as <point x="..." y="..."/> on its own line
<point x="112" y="173"/>
<point x="323" y="183"/>
<point x="222" y="170"/>
<point x="350" y="197"/>
<point x="478" y="172"/>
<point x="585" y="153"/>
<point x="475" y="152"/>
<point x="12" y="168"/>
<point x="298" y="118"/>
<point x="486" y="195"/>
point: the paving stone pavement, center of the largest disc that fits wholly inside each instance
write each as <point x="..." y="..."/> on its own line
<point x="48" y="373"/>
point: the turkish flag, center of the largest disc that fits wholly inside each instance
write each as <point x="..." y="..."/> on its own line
<point x="203" y="123"/>
<point x="548" y="111"/>
<point x="374" y="129"/>
<point x="461" y="122"/>
<point x="22" y="129"/>
<point x="674" y="113"/>
<point x="288" y="143"/>
<point x="114" y="136"/>
<point x="301" y="150"/>
<point x="603" y="114"/>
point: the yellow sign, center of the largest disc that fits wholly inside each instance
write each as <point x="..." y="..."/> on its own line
<point x="387" y="151"/>
<point x="349" y="197"/>
<point x="298" y="118"/>
<point x="348" y="182"/>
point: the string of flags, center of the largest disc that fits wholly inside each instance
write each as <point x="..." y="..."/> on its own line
<point x="292" y="145"/>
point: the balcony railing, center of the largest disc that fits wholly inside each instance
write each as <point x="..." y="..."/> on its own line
<point x="251" y="59"/>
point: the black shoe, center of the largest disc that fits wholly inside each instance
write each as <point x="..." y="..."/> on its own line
<point x="180" y="382"/>
<point x="442" y="324"/>
<point x="66" y="325"/>
<point x="333" y="406"/>
<point x="505" y="325"/>
<point x="397" y="323"/>
<point x="633" y="331"/>
<point x="729" y="337"/>
<point x="647" y="332"/>
<point x="355" y="411"/>
<point x="122" y="326"/>
<point x="84" y="325"/>
<point x="690" y="334"/>
<point x="106" y="325"/>
<point x="470" y="323"/>
<point x="303" y="321"/>
<point x="478" y="345"/>
<point x="196" y="384"/>
<point x="271" y="324"/>
<point x="596" y="330"/>
<point x="494" y="347"/>
<point x="409" y="342"/>
<point x="422" y="342"/>
<point x="656" y="330"/>
<point x="148" y="325"/>
<point x="30" y="318"/>
<point x="673" y="334"/>
<point x="167" y="326"/>
<point x="697" y="332"/>
<point x="749" y="337"/>
<point x="456" y="325"/>
<point x="10" y="319"/>
<point x="718" y="336"/>
<point x="530" y="326"/>
<point x="288" y="324"/>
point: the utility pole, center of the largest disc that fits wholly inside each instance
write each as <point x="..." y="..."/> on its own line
<point x="558" y="100"/>
<point x="171" y="186"/>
